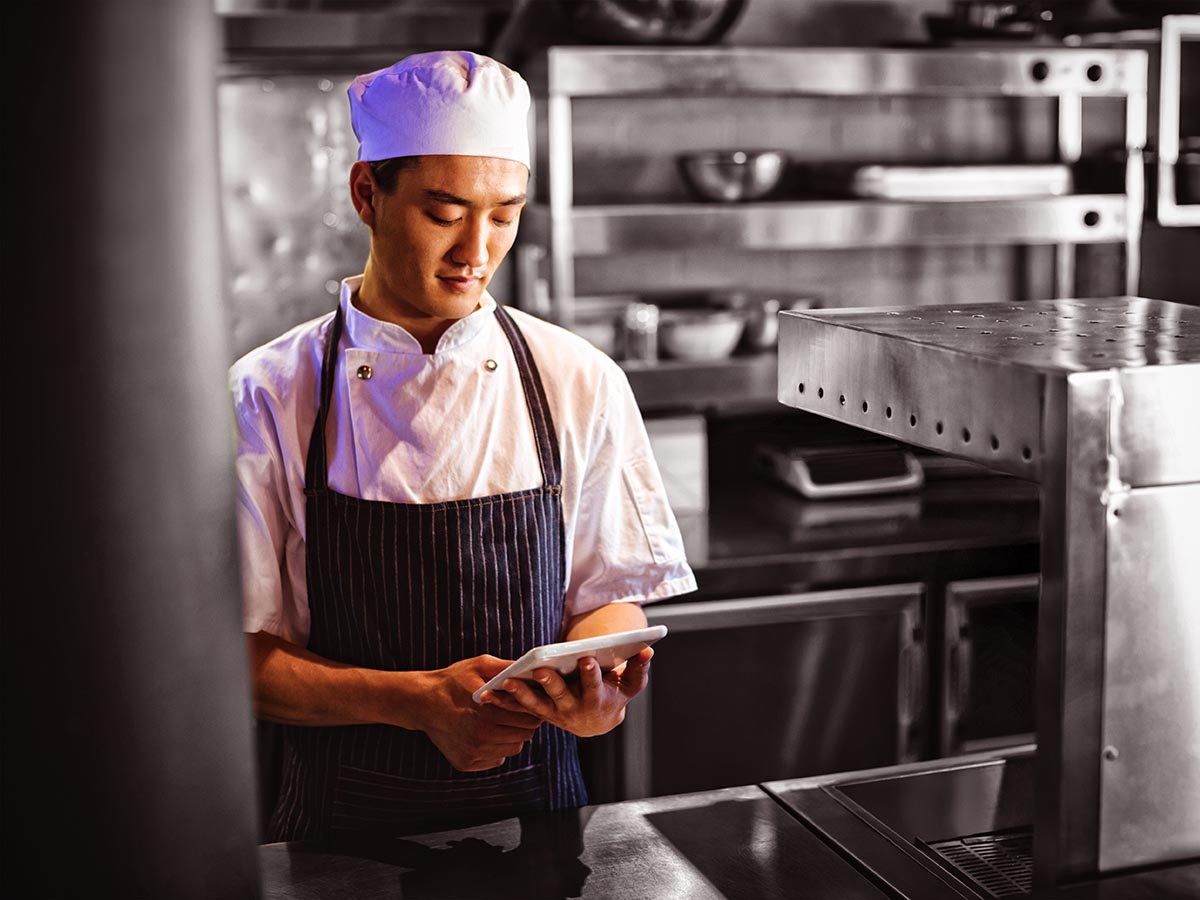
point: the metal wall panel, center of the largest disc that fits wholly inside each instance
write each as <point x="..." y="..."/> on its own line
<point x="1150" y="773"/>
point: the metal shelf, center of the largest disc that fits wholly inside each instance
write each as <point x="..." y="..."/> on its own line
<point x="738" y="383"/>
<point x="823" y="224"/>
<point x="843" y="72"/>
<point x="1067" y="74"/>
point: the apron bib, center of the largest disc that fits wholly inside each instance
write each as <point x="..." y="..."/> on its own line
<point x="409" y="586"/>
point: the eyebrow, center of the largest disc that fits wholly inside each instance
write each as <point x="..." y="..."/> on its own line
<point x="443" y="197"/>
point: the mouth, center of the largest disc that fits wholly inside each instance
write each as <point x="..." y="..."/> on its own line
<point x="460" y="283"/>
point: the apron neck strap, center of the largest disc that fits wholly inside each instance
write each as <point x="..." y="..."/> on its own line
<point x="535" y="400"/>
<point x="316" y="467"/>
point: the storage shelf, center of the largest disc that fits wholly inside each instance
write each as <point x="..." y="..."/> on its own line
<point x="569" y="232"/>
<point x="824" y="224"/>
<point x="844" y="72"/>
<point x="737" y="383"/>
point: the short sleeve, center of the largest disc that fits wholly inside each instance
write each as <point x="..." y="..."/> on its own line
<point x="626" y="545"/>
<point x="265" y="529"/>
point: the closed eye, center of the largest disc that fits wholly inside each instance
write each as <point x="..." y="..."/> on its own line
<point x="441" y="221"/>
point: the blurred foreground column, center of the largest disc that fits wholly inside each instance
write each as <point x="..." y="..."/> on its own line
<point x="127" y="764"/>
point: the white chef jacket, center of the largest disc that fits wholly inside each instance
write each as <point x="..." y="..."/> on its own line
<point x="446" y="426"/>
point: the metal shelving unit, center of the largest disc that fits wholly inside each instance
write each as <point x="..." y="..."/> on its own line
<point x="1067" y="74"/>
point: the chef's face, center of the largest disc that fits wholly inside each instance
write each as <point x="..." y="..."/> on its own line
<point x="437" y="238"/>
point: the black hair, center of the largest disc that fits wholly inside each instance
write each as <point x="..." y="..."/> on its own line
<point x="386" y="172"/>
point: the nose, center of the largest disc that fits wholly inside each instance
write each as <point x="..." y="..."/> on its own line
<point x="471" y="248"/>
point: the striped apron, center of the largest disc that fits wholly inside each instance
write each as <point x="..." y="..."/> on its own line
<point x="409" y="586"/>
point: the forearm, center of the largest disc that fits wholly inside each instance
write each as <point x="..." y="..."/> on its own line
<point x="608" y="619"/>
<point x="294" y="686"/>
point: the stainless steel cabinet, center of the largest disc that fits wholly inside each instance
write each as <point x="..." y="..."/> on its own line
<point x="988" y="663"/>
<point x="754" y="689"/>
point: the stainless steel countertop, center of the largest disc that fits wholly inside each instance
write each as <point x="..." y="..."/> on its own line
<point x="736" y="843"/>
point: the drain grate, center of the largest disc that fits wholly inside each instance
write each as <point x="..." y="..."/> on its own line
<point x="1001" y="862"/>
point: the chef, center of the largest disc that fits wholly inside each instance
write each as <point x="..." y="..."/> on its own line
<point x="431" y="484"/>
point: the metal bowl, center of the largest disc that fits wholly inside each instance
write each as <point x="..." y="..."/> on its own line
<point x="699" y="334"/>
<point x="732" y="175"/>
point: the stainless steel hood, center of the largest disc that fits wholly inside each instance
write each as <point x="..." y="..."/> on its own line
<point x="1097" y="400"/>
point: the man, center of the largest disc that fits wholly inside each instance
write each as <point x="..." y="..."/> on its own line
<point x="430" y="485"/>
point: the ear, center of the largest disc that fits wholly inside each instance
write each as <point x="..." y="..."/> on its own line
<point x="362" y="192"/>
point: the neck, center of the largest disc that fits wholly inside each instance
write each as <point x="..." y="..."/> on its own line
<point x="374" y="298"/>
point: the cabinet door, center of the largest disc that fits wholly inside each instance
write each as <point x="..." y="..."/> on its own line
<point x="758" y="689"/>
<point x="988" y="663"/>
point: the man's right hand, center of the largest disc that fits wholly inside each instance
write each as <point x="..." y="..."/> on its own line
<point x="472" y="737"/>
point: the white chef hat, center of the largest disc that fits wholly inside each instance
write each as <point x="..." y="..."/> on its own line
<point x="448" y="102"/>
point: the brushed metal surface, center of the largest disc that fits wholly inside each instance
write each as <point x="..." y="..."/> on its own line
<point x="971" y="380"/>
<point x="813" y="224"/>
<point x="734" y="844"/>
<point x="1150" y="773"/>
<point x="1154" y="435"/>
<point x="1070" y="674"/>
<point x="847" y="665"/>
<point x="1100" y="397"/>
<point x="586" y="71"/>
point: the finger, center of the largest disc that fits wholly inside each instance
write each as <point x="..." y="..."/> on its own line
<point x="555" y="687"/>
<point x="502" y="700"/>
<point x="511" y="714"/>
<point x="590" y="680"/>
<point x="531" y="701"/>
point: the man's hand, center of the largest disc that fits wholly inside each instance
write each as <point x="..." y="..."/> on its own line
<point x="471" y="736"/>
<point x="594" y="705"/>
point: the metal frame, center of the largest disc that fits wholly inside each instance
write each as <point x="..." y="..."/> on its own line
<point x="958" y="654"/>
<point x="1175" y="29"/>
<point x="1070" y="74"/>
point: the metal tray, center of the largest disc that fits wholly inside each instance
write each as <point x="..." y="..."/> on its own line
<point x="960" y="182"/>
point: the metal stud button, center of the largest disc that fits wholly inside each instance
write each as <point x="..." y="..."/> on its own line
<point x="364" y="373"/>
<point x="490" y="365"/>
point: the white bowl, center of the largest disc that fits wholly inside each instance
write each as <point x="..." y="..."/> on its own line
<point x="699" y="335"/>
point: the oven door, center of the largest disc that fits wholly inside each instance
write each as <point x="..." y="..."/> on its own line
<point x="750" y="690"/>
<point x="989" y="660"/>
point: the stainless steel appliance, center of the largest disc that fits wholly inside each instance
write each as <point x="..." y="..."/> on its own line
<point x="1096" y="401"/>
<point x="761" y="688"/>
<point x="989" y="635"/>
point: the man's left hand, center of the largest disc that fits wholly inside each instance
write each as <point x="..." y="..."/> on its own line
<point x="594" y="704"/>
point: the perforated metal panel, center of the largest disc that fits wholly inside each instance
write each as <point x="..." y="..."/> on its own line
<point x="971" y="380"/>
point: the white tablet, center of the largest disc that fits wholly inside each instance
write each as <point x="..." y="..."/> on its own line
<point x="609" y="650"/>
